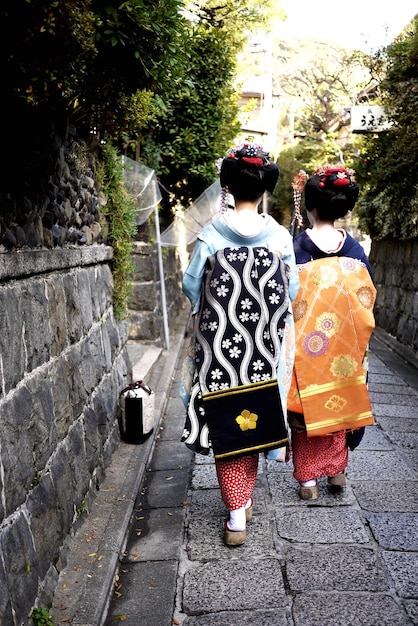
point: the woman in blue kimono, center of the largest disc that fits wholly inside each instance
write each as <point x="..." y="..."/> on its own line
<point x="240" y="281"/>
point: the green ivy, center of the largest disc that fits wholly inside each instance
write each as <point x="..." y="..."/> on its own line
<point x="120" y="211"/>
<point x="42" y="617"/>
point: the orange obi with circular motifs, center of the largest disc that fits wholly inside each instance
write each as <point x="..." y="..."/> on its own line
<point x="334" y="320"/>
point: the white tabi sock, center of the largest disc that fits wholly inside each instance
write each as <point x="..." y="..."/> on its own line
<point x="237" y="519"/>
<point x="309" y="483"/>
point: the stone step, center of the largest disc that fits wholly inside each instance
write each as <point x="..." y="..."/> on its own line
<point x="143" y="357"/>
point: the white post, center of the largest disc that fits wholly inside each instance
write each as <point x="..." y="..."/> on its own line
<point x="162" y="283"/>
<point x="268" y="93"/>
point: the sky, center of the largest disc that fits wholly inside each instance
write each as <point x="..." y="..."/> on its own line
<point x="358" y="24"/>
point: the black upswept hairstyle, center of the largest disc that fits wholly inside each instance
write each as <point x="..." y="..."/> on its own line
<point x="333" y="193"/>
<point x="247" y="172"/>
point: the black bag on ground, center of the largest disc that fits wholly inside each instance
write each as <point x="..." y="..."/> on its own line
<point x="137" y="403"/>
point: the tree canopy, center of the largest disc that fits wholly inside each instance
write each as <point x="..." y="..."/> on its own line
<point x="159" y="81"/>
<point x="314" y="86"/>
<point x="89" y="56"/>
<point x="154" y="78"/>
<point x="388" y="163"/>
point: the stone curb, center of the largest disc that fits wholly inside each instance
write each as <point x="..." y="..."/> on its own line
<point x="396" y="346"/>
<point x="86" y="584"/>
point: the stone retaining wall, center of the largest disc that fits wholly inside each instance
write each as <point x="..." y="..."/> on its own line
<point x="395" y="271"/>
<point x="146" y="321"/>
<point x="63" y="361"/>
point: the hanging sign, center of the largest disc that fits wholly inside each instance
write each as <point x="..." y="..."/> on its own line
<point x="369" y="119"/>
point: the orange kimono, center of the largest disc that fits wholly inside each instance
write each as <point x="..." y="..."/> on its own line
<point x="334" y="320"/>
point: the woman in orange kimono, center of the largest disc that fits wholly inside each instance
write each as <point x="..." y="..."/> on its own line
<point x="333" y="315"/>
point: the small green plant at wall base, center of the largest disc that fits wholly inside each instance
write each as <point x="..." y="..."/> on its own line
<point x="82" y="509"/>
<point x="120" y="211"/>
<point x="42" y="617"/>
<point x="36" y="480"/>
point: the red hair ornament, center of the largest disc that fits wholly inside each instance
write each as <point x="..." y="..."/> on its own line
<point x="257" y="162"/>
<point x="335" y="177"/>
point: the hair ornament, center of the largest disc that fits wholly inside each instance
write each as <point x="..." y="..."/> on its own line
<point x="251" y="153"/>
<point x="332" y="190"/>
<point x="248" y="169"/>
<point x="298" y="185"/>
<point x="335" y="177"/>
<point x="223" y="201"/>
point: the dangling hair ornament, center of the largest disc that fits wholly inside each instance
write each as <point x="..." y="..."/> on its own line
<point x="298" y="185"/>
<point x="224" y="197"/>
<point x="223" y="202"/>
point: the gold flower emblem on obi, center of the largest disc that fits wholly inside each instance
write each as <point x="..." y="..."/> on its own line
<point x="247" y="420"/>
<point x="335" y="403"/>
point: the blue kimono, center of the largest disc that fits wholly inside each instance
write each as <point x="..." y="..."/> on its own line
<point x="245" y="285"/>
